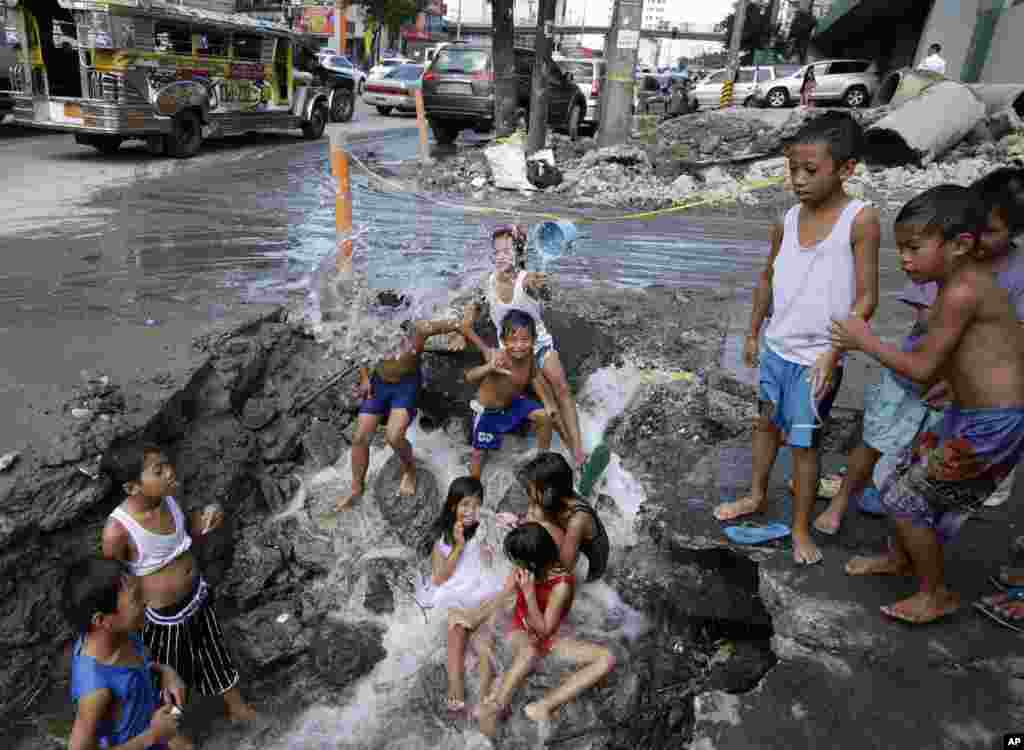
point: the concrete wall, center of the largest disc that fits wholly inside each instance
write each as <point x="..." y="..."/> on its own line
<point x="1006" y="56"/>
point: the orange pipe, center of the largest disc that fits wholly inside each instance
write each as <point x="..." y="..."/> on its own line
<point x="421" y="121"/>
<point x="342" y="206"/>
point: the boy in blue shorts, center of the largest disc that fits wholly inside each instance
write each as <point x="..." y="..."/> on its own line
<point x="391" y="392"/>
<point x="975" y="343"/>
<point x="503" y="382"/>
<point x="118" y="703"/>
<point x="823" y="265"/>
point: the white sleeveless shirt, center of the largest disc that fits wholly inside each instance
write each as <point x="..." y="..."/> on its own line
<point x="155" y="551"/>
<point x="522" y="302"/>
<point x="810" y="287"/>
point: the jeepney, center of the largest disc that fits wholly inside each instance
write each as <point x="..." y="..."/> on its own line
<point x="168" y="74"/>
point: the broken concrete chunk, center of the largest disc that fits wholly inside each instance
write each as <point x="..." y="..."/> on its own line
<point x="8" y="460"/>
<point x="768" y="169"/>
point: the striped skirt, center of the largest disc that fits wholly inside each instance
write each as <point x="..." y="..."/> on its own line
<point x="188" y="639"/>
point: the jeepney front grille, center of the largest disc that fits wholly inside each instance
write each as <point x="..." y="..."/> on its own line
<point x="105" y="86"/>
<point x="19" y="82"/>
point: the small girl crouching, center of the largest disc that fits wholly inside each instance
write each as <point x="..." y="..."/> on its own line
<point x="463" y="578"/>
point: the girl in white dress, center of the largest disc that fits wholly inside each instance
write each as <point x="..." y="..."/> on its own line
<point x="463" y="577"/>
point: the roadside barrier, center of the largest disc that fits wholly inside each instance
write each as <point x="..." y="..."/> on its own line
<point x="343" y="200"/>
<point x="726" y="99"/>
<point x="699" y="200"/>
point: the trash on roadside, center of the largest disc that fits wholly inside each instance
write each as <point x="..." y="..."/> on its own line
<point x="283" y="618"/>
<point x="8" y="460"/>
<point x="508" y="165"/>
<point x="81" y="413"/>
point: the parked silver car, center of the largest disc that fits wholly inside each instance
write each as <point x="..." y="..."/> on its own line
<point x="589" y="76"/>
<point x="709" y="90"/>
<point x="852" y="82"/>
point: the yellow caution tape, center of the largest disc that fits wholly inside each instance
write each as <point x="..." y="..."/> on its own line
<point x="748" y="186"/>
<point x="651" y="376"/>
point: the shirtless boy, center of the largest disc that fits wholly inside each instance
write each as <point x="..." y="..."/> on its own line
<point x="150" y="534"/>
<point x="503" y="381"/>
<point x="391" y="392"/>
<point x="974" y="342"/>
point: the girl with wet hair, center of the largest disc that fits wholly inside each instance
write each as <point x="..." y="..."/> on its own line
<point x="544" y="593"/>
<point x="549" y="486"/>
<point x="463" y="577"/>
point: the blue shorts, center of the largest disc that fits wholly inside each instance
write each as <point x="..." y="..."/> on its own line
<point x="489" y="426"/>
<point x="387" y="396"/>
<point x="787" y="399"/>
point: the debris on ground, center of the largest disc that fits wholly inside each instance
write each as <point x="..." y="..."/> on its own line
<point x="735" y="156"/>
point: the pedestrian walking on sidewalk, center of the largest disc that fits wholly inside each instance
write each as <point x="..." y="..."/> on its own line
<point x="808" y="87"/>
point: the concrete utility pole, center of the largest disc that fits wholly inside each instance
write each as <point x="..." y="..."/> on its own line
<point x="540" y="87"/>
<point x="617" y="93"/>
<point x="737" y="35"/>
<point x="504" y="64"/>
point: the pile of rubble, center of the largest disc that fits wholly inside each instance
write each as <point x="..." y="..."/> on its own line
<point x="727" y="156"/>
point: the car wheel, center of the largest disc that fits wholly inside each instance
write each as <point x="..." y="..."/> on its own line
<point x="186" y="135"/>
<point x="777" y="98"/>
<point x="384" y="110"/>
<point x="317" y="122"/>
<point x="444" y="133"/>
<point x="575" y="117"/>
<point x="342" y="106"/>
<point x="856" y="97"/>
<point x="106" y="144"/>
<point x="748" y="102"/>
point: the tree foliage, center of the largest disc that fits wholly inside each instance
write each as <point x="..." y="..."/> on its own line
<point x="390" y="14"/>
<point x="800" y="32"/>
<point x="758" y="30"/>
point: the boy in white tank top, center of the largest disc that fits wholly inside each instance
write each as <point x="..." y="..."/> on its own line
<point x="823" y="266"/>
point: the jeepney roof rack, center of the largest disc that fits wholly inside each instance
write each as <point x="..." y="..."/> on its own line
<point x="175" y="10"/>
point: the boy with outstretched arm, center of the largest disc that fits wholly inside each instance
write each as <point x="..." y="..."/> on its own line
<point x="151" y="535"/>
<point x="503" y="381"/>
<point x="823" y="265"/>
<point x="117" y="701"/>
<point x="974" y="342"/>
<point x="391" y="392"/>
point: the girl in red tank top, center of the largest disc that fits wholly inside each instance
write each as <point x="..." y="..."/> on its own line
<point x="544" y="594"/>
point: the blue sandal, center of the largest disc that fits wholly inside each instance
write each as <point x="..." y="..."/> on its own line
<point x="757" y="534"/>
<point x="870" y="502"/>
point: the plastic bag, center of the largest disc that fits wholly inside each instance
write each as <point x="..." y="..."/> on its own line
<point x="508" y="166"/>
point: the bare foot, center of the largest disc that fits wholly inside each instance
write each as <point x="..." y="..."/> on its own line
<point x="537" y="712"/>
<point x="407" y="488"/>
<point x="242" y="713"/>
<point x="455" y="705"/>
<point x="923" y="607"/>
<point x="456" y="343"/>
<point x="346" y="500"/>
<point x="738" y="508"/>
<point x="878" y="565"/>
<point x="829" y="521"/>
<point x="805" y="551"/>
<point x="488" y="713"/>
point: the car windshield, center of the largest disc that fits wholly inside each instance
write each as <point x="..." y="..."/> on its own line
<point x="781" y="71"/>
<point x="716" y="77"/>
<point x="456" y="60"/>
<point x="406" y="72"/>
<point x="339" y="62"/>
<point x="581" y="71"/>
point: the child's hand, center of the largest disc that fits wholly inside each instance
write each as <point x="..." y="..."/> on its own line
<point x="534" y="513"/>
<point x="823" y="374"/>
<point x="507" y="521"/>
<point x="538" y="280"/>
<point x="164" y="723"/>
<point x="212" y="518"/>
<point x="524" y="580"/>
<point x="850" y="334"/>
<point x="462" y="617"/>
<point x="459" y="532"/>
<point x="500" y="363"/>
<point x="751" y="351"/>
<point x="172" y="687"/>
<point x="469" y="316"/>
<point x="939" y="395"/>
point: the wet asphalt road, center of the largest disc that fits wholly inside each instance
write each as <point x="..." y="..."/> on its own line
<point x="113" y="264"/>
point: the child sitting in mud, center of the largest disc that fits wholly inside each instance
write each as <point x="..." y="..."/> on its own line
<point x="974" y="342"/>
<point x="112" y="677"/>
<point x="503" y="381"/>
<point x="391" y="392"/>
<point x="823" y="265"/>
<point x="548" y="479"/>
<point x="896" y="409"/>
<point x="463" y="577"/>
<point x="510" y="288"/>
<point x="150" y="534"/>
<point x="544" y="594"/>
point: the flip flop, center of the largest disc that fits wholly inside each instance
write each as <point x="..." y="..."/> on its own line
<point x="757" y="534"/>
<point x="990" y="613"/>
<point x="870" y="502"/>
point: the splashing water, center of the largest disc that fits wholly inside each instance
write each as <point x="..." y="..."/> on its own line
<point x="396" y="704"/>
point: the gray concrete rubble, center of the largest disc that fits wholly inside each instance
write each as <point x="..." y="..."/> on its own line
<point x="926" y="120"/>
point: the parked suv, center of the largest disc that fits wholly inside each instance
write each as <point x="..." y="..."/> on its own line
<point x="709" y="90"/>
<point x="458" y="92"/>
<point x="852" y="82"/>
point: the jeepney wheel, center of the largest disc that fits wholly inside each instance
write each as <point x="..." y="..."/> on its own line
<point x="343" y="106"/>
<point x="106" y="144"/>
<point x="317" y="122"/>
<point x="186" y="135"/>
<point x="384" y="111"/>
